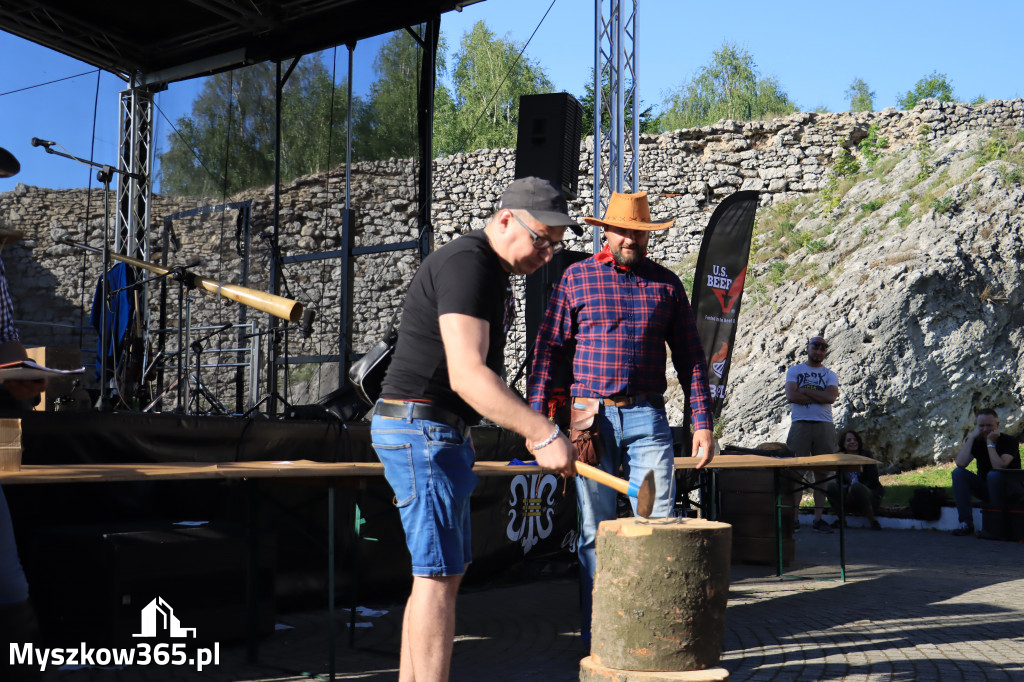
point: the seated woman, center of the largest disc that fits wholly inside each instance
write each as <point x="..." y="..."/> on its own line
<point x="863" y="489"/>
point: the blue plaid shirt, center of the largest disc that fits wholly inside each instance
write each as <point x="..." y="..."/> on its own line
<point x="621" y="320"/>
<point x="8" y="332"/>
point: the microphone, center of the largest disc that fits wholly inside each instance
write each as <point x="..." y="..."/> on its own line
<point x="308" y="316"/>
<point x="36" y="142"/>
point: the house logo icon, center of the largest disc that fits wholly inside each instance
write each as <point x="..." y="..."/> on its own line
<point x="158" y="619"/>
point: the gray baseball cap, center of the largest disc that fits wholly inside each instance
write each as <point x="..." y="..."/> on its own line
<point x="542" y="199"/>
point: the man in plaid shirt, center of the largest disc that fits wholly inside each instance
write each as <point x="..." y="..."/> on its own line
<point x="619" y="309"/>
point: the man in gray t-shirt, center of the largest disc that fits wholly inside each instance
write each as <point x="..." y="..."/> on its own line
<point x="811" y="388"/>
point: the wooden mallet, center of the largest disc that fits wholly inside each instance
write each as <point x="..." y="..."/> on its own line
<point x="644" y="493"/>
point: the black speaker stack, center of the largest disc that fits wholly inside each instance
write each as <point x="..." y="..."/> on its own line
<point x="548" y="143"/>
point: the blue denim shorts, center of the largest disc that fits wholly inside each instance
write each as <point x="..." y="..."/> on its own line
<point x="430" y="467"/>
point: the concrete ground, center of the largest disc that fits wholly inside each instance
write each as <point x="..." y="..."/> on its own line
<point x="916" y="605"/>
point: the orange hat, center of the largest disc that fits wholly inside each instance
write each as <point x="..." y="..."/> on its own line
<point x="630" y="212"/>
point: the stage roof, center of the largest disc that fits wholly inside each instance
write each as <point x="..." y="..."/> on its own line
<point x="170" y="40"/>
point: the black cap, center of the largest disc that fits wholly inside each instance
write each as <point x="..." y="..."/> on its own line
<point x="542" y="199"/>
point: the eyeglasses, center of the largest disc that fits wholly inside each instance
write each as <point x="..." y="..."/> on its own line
<point x="540" y="243"/>
<point x="822" y="346"/>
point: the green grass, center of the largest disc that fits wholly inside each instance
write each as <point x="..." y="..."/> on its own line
<point x="899" y="487"/>
<point x="871" y="206"/>
<point x="904" y="214"/>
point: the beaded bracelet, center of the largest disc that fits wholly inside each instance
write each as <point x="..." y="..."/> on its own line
<point x="550" y="439"/>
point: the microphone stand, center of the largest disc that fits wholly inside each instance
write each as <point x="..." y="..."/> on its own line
<point x="197" y="348"/>
<point x="104" y="175"/>
<point x="272" y="394"/>
<point x="275" y="341"/>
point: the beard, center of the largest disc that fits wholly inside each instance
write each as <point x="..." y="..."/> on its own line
<point x="629" y="258"/>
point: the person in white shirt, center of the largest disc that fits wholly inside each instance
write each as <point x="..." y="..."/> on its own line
<point x="811" y="388"/>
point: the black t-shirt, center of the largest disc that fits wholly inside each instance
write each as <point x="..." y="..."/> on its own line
<point x="463" y="276"/>
<point x="1005" y="445"/>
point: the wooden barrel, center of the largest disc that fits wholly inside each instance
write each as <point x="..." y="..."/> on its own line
<point x="748" y="504"/>
<point x="660" y="593"/>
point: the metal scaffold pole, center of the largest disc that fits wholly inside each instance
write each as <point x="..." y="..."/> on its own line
<point x="615" y="102"/>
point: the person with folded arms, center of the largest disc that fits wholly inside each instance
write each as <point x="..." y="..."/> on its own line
<point x="811" y="389"/>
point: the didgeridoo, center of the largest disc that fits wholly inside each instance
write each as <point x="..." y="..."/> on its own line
<point x="644" y="493"/>
<point x="272" y="304"/>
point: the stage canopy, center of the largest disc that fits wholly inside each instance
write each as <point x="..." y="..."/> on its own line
<point x="162" y="42"/>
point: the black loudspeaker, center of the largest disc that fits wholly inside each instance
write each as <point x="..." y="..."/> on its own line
<point x="548" y="143"/>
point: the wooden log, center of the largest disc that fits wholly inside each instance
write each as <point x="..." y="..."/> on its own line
<point x="593" y="672"/>
<point x="660" y="593"/>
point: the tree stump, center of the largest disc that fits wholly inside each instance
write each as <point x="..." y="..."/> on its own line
<point x="660" y="594"/>
<point x="591" y="672"/>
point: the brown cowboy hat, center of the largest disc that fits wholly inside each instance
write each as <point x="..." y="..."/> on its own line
<point x="630" y="212"/>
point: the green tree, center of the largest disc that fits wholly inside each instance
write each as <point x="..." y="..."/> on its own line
<point x="935" y="85"/>
<point x="226" y="144"/>
<point x="648" y="121"/>
<point x="861" y="97"/>
<point x="729" y="87"/>
<point x="488" y="77"/>
<point x="392" y="129"/>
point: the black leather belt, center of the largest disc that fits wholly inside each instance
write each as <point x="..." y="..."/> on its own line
<point x="655" y="400"/>
<point x="427" y="411"/>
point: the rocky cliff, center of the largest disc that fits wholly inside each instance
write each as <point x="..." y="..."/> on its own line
<point x="912" y="271"/>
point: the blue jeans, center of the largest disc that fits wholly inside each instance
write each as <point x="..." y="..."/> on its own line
<point x="13" y="586"/>
<point x="989" y="490"/>
<point x="430" y="468"/>
<point x="637" y="438"/>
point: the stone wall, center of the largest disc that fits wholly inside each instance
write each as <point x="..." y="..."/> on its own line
<point x="686" y="172"/>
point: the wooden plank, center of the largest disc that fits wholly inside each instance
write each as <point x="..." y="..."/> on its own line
<point x="829" y="461"/>
<point x="84" y="473"/>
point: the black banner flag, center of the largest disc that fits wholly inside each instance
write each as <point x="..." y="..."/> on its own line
<point x="718" y="284"/>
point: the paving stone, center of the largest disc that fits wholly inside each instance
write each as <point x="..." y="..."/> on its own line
<point x="915" y="605"/>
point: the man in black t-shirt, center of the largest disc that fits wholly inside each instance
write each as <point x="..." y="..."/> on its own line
<point x="445" y="374"/>
<point x="994" y="452"/>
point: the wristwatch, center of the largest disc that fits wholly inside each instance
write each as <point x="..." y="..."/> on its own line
<point x="991" y="445"/>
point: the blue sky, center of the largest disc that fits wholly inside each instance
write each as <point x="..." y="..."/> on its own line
<point x="813" y="48"/>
